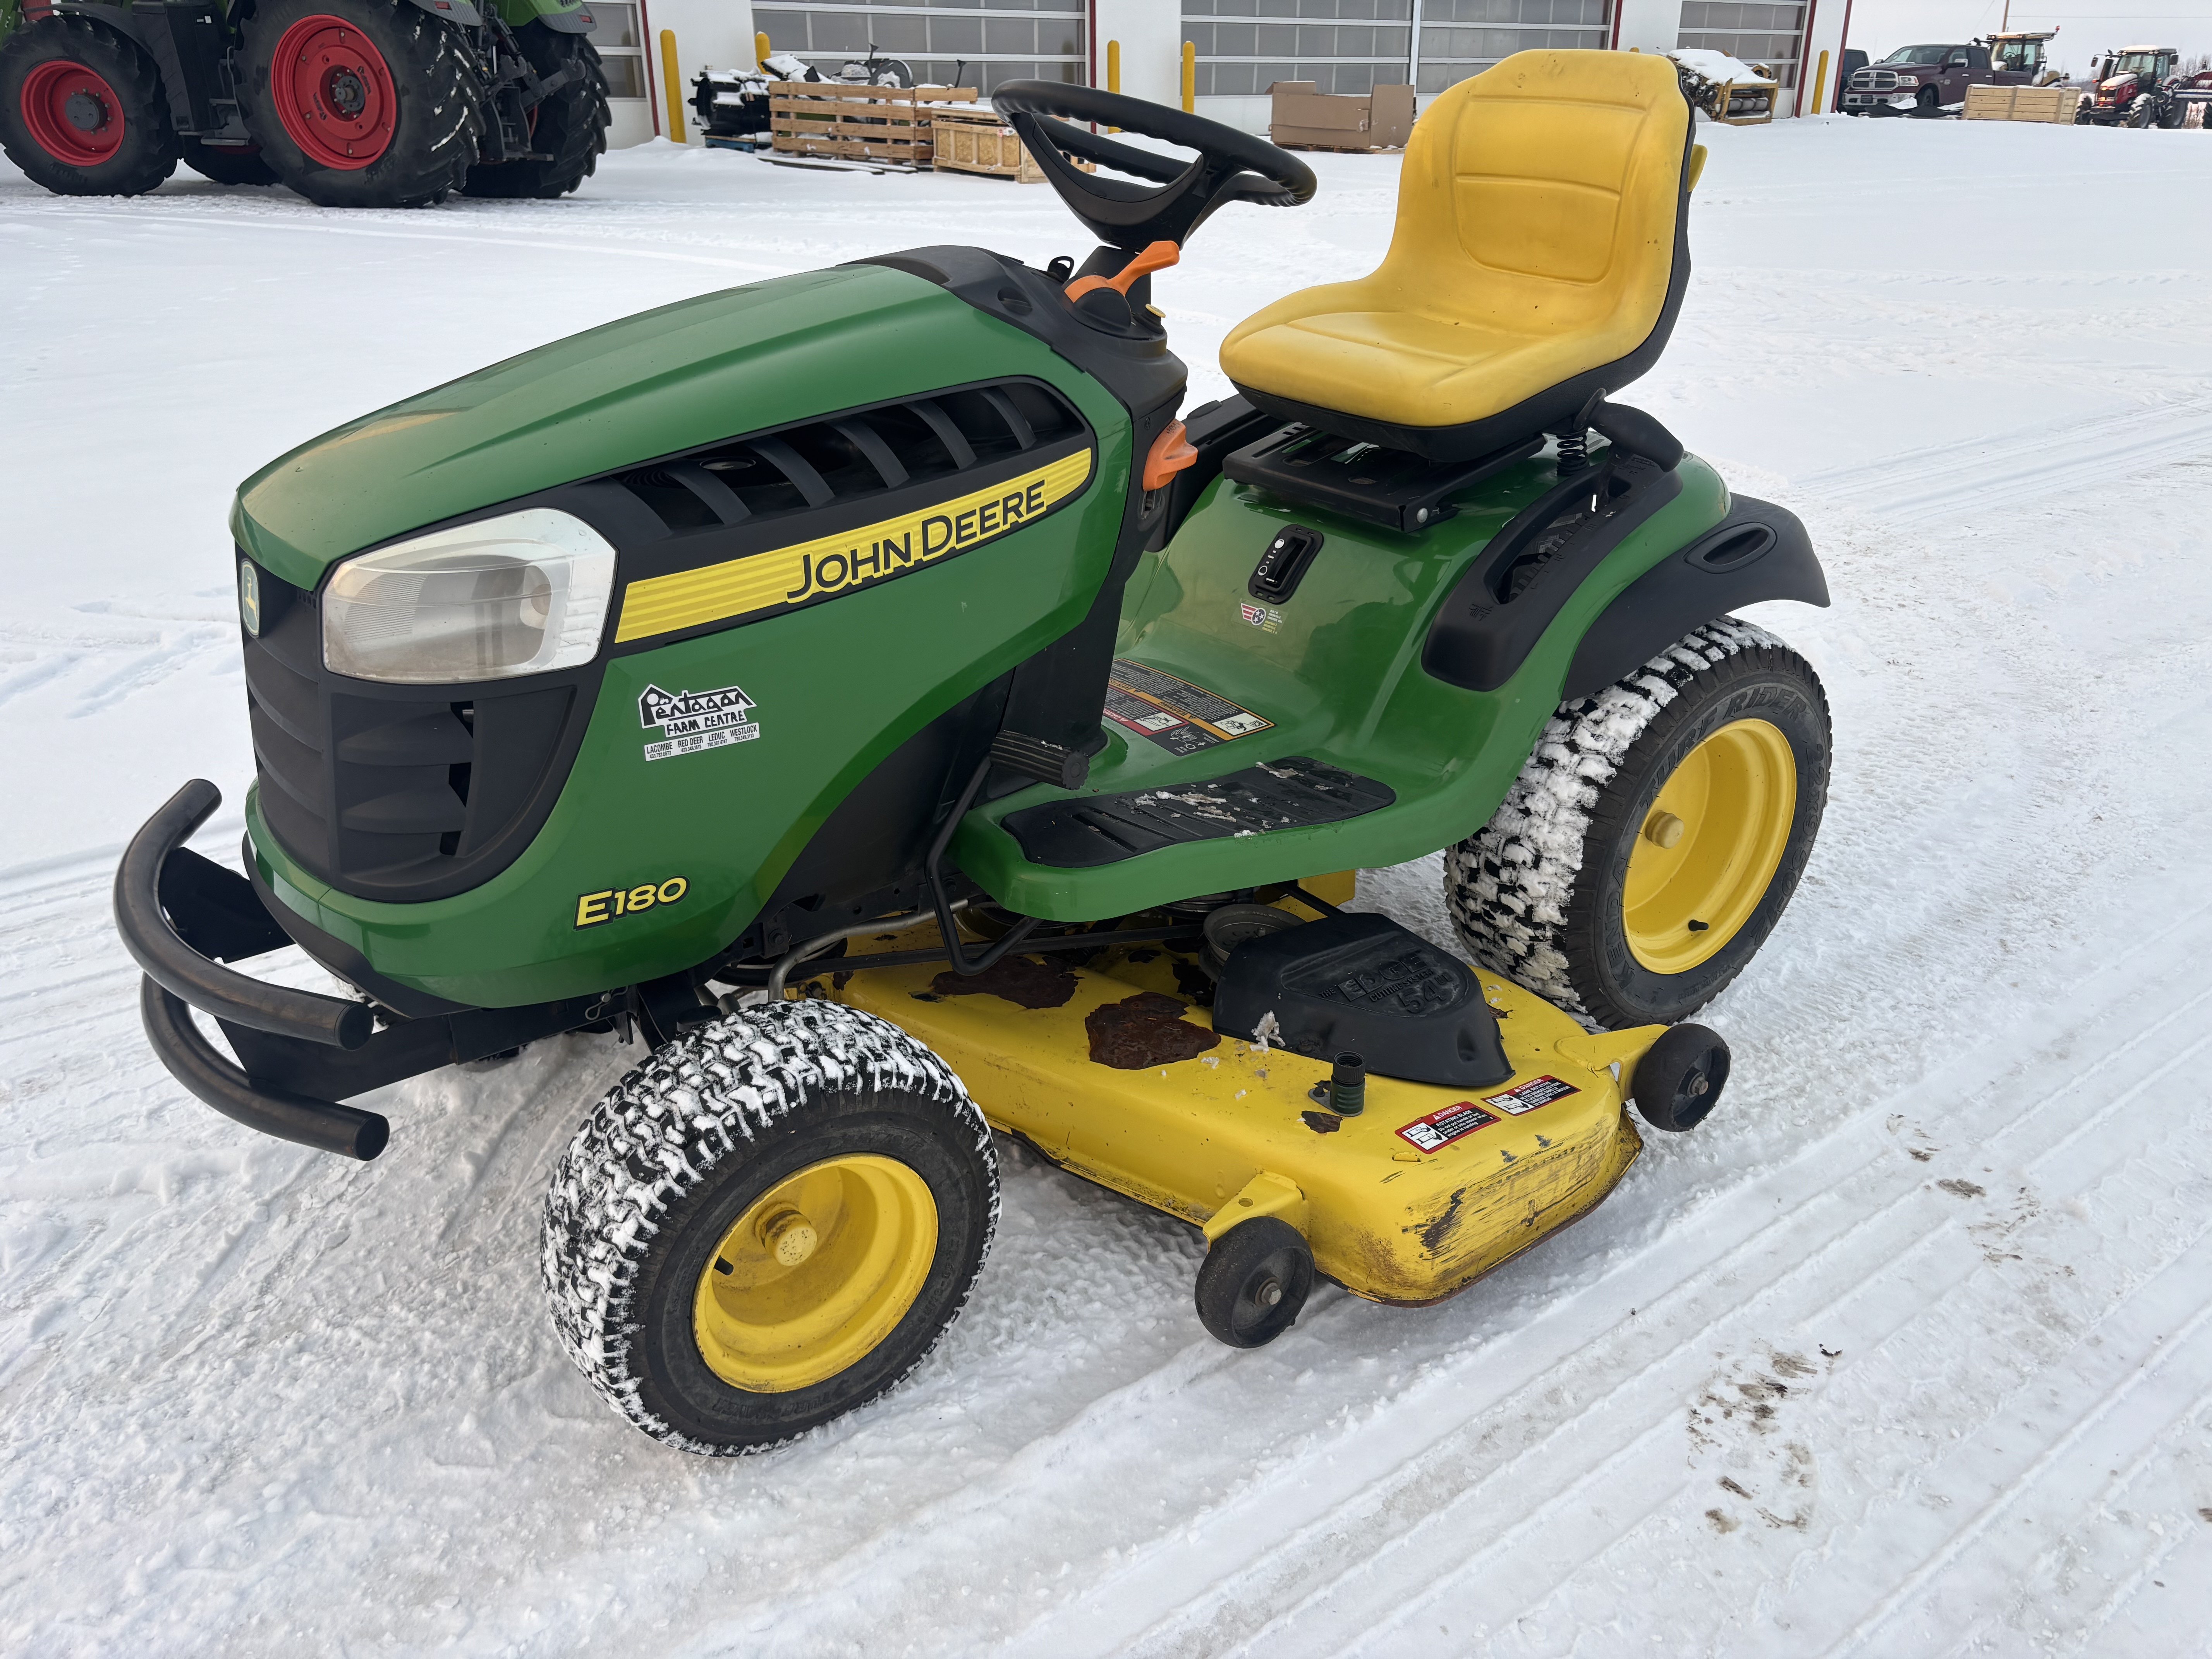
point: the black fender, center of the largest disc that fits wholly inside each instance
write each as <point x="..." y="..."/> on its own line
<point x="579" y="22"/>
<point x="147" y="26"/>
<point x="1759" y="551"/>
<point x="118" y="18"/>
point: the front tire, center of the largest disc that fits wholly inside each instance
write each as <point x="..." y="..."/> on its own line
<point x="82" y="110"/>
<point x="769" y="1224"/>
<point x="362" y="103"/>
<point x="569" y="127"/>
<point x="1654" y="836"/>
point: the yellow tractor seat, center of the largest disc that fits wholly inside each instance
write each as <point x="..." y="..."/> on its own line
<point x="1541" y="253"/>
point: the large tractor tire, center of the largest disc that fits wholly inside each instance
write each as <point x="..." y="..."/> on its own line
<point x="1656" y="834"/>
<point x="229" y="164"/>
<point x="569" y="127"/>
<point x="771" y="1222"/>
<point x="362" y="103"/>
<point x="81" y="111"/>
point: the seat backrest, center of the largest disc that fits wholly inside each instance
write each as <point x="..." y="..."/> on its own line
<point x="1545" y="195"/>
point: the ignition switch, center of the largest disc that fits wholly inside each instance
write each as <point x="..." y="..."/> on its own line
<point x="1283" y="566"/>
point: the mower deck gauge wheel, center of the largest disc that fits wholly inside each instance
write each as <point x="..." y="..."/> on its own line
<point x="1254" y="1282"/>
<point x="1679" y="1080"/>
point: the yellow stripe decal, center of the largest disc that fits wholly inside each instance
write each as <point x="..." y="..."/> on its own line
<point x="789" y="577"/>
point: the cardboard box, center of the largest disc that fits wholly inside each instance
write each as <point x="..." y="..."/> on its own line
<point x="1303" y="118"/>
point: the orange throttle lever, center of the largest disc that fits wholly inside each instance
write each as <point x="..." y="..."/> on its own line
<point x="1158" y="257"/>
<point x="1171" y="452"/>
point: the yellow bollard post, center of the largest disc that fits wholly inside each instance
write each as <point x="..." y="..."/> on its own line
<point x="761" y="49"/>
<point x="1189" y="79"/>
<point x="672" y="79"/>
<point x="1113" y="71"/>
<point x="1820" y="84"/>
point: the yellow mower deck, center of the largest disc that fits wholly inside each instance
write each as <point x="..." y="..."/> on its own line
<point x="1408" y="1203"/>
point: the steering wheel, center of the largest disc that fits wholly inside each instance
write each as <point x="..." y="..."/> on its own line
<point x="1231" y="165"/>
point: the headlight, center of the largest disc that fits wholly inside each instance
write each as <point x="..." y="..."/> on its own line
<point x="519" y="594"/>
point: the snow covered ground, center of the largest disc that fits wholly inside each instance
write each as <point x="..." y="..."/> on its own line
<point x="1909" y="1351"/>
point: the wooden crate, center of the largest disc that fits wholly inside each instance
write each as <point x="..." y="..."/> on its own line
<point x="882" y="124"/>
<point x="973" y="138"/>
<point x="2054" y="105"/>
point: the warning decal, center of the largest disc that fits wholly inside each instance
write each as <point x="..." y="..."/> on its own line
<point x="1181" y="718"/>
<point x="1439" y="1130"/>
<point x="1543" y="1092"/>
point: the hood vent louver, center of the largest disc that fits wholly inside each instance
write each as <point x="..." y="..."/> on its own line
<point x="850" y="456"/>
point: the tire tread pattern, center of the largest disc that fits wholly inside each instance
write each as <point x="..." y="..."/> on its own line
<point x="1512" y="886"/>
<point x="441" y="104"/>
<point x="150" y="150"/>
<point x="654" y="1137"/>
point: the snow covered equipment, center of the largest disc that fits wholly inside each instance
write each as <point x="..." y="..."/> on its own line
<point x="352" y="103"/>
<point x="733" y="104"/>
<point x="871" y="692"/>
<point x="1728" y="90"/>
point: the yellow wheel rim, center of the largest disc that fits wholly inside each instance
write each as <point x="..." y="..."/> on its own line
<point x="815" y="1274"/>
<point x="1708" y="845"/>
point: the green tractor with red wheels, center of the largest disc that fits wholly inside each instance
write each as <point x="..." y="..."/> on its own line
<point x="352" y="103"/>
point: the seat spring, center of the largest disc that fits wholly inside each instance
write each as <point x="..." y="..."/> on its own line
<point x="1574" y="451"/>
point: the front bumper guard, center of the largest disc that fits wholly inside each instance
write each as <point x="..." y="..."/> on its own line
<point x="183" y="917"/>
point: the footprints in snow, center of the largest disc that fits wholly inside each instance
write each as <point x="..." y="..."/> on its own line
<point x="114" y="652"/>
<point x="1739" y="1434"/>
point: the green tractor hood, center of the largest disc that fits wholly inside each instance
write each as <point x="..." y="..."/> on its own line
<point x="687" y="375"/>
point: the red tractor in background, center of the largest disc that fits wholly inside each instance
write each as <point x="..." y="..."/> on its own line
<point x="2141" y="87"/>
<point x="351" y="103"/>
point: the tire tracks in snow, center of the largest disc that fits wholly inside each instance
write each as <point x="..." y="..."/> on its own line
<point x="1947" y="482"/>
<point x="1340" y="1564"/>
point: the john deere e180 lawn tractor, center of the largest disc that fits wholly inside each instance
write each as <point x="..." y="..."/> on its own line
<point x="352" y="103"/>
<point x="866" y="690"/>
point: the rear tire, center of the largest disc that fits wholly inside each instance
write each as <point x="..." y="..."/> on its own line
<point x="1590" y="889"/>
<point x="570" y="126"/>
<point x="375" y="103"/>
<point x="667" y="1221"/>
<point x="228" y="164"/>
<point x="82" y="110"/>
